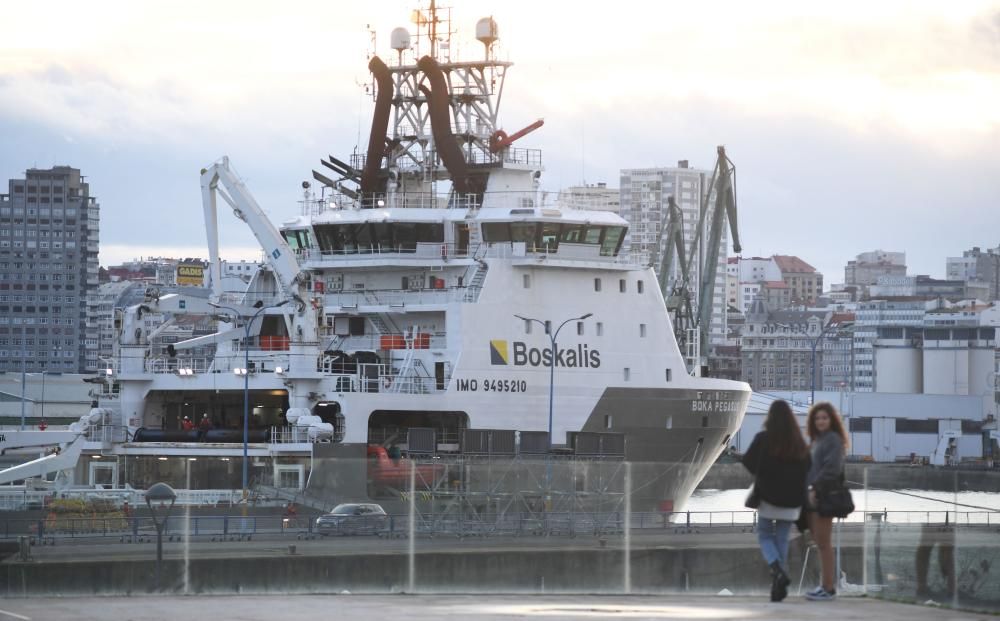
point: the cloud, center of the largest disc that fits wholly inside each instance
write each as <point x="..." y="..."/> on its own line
<point x="871" y="122"/>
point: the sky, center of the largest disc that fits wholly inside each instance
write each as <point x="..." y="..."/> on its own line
<point x="853" y="126"/>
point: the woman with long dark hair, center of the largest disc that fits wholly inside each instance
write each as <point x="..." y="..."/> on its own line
<point x="779" y="460"/>
<point x="828" y="445"/>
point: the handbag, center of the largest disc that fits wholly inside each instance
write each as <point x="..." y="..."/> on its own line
<point x="834" y="499"/>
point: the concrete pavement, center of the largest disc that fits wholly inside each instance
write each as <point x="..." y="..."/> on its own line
<point x="468" y="608"/>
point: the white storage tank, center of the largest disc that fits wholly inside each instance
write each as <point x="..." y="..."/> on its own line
<point x="898" y="367"/>
<point x="946" y="371"/>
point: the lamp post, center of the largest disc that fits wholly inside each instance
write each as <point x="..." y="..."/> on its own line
<point x="552" y="361"/>
<point x="246" y="386"/>
<point x="24" y="373"/>
<point x="160" y="493"/>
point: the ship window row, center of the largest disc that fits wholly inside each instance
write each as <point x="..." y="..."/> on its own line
<point x="622" y="285"/>
<point x="548" y="235"/>
<point x="364" y="237"/>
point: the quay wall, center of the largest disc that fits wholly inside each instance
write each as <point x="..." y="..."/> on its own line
<point x="594" y="570"/>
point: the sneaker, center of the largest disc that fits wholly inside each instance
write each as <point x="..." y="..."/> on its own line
<point x="822" y="595"/>
<point x="818" y="589"/>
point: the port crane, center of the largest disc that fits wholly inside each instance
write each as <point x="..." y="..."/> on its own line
<point x="718" y="206"/>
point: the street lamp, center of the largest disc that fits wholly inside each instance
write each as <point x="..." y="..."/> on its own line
<point x="245" y="371"/>
<point x="552" y="362"/>
<point x="160" y="493"/>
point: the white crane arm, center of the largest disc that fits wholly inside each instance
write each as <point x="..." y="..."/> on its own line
<point x="235" y="193"/>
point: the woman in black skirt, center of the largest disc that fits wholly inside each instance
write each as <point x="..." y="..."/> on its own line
<point x="779" y="459"/>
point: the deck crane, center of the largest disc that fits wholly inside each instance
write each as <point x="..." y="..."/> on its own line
<point x="301" y="318"/>
<point x="293" y="282"/>
<point x="691" y="325"/>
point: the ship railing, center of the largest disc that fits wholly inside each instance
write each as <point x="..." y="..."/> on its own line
<point x="107" y="434"/>
<point x="267" y="363"/>
<point x="400" y="297"/>
<point x="396" y="200"/>
<point x="562" y="251"/>
<point x="521" y="156"/>
<point x="397" y="435"/>
<point x="293" y="434"/>
<point x="378" y="378"/>
<point x="420" y="250"/>
<point x="393" y="341"/>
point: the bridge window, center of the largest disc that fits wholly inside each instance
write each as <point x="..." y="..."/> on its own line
<point x="526" y="232"/>
<point x="572" y="233"/>
<point x="496" y="232"/>
<point x="550" y="236"/>
<point x="368" y="236"/>
<point x="612" y="240"/>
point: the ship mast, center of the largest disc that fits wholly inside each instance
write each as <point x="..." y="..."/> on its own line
<point x="436" y="119"/>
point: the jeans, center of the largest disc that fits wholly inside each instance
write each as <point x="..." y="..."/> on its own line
<point x="773" y="538"/>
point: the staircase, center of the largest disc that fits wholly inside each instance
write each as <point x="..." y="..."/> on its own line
<point x="476" y="284"/>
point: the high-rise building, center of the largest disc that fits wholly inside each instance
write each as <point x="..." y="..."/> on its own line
<point x="592" y="197"/>
<point x="866" y="268"/>
<point x="644" y="193"/>
<point x="49" y="226"/>
<point x="981" y="267"/>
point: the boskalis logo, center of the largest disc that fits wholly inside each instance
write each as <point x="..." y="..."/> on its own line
<point x="520" y="355"/>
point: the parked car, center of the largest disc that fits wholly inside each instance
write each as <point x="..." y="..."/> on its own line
<point x="353" y="519"/>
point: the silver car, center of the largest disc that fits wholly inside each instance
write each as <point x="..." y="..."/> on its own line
<point x="353" y="519"/>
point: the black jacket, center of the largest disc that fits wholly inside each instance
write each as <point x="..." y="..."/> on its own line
<point x="781" y="482"/>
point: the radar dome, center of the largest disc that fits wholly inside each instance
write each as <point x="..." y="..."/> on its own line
<point x="486" y="31"/>
<point x="400" y="39"/>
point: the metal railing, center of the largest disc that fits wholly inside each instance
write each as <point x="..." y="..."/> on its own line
<point x="374" y="342"/>
<point x="107" y="434"/>
<point x="218" y="364"/>
<point x="399" y="297"/>
<point x="507" y="524"/>
<point x="421" y="250"/>
<point x="292" y="434"/>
